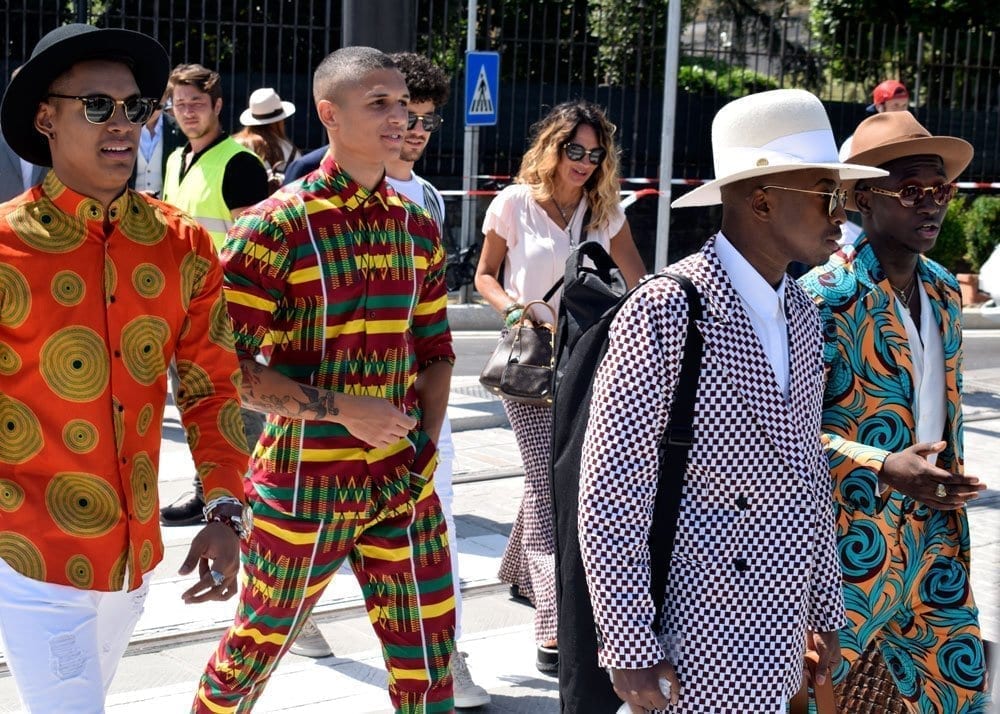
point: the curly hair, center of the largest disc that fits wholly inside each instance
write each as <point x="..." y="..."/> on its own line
<point x="538" y="165"/>
<point x="426" y="81"/>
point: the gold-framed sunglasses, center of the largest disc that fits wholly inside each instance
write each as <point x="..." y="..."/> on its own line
<point x="838" y="197"/>
<point x="910" y="196"/>
<point x="99" y="108"/>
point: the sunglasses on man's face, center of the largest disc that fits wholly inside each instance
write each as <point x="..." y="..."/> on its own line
<point x="835" y="199"/>
<point x="910" y="196"/>
<point x="575" y="152"/>
<point x="430" y="122"/>
<point x="99" y="108"/>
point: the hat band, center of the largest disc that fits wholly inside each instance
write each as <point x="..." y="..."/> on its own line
<point x="812" y="147"/>
<point x="268" y="115"/>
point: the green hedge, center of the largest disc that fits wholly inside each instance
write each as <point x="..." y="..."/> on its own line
<point x="969" y="234"/>
<point x="704" y="75"/>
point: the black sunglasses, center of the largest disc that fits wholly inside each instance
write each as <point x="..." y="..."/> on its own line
<point x="430" y="122"/>
<point x="910" y="196"/>
<point x="99" y="108"/>
<point x="575" y="152"/>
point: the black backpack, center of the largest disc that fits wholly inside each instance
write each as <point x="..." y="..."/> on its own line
<point x="592" y="296"/>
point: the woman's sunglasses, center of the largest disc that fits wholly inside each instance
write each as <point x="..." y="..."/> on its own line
<point x="575" y="152"/>
<point x="99" y="108"/>
<point x="430" y="122"/>
<point x="910" y="196"/>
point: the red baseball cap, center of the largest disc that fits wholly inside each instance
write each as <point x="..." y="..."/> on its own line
<point x="889" y="89"/>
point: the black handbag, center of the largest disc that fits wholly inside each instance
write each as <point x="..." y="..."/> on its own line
<point x="521" y="367"/>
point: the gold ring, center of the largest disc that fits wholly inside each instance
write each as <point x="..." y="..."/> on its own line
<point x="941" y="491"/>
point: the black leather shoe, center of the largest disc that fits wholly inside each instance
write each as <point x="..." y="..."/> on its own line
<point x="183" y="513"/>
<point x="547" y="660"/>
<point x="516" y="594"/>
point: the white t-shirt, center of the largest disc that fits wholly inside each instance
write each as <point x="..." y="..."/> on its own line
<point x="537" y="248"/>
<point x="416" y="190"/>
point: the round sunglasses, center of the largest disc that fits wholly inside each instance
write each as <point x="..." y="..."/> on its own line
<point x="99" y="108"/>
<point x="575" y="152"/>
<point x="430" y="122"/>
<point x="910" y="196"/>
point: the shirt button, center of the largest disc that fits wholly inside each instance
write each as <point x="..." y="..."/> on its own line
<point x="111" y="298"/>
<point x="740" y="564"/>
<point x="121" y="408"/>
<point x="742" y="503"/>
<point x="117" y="353"/>
<point x="371" y="315"/>
<point x="124" y="460"/>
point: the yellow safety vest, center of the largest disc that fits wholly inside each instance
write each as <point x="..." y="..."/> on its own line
<point x="200" y="192"/>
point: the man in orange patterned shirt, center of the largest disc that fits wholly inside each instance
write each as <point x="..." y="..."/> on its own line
<point x="100" y="288"/>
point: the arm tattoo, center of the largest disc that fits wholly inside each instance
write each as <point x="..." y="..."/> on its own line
<point x="321" y="402"/>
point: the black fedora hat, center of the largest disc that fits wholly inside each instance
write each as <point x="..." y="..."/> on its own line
<point x="55" y="53"/>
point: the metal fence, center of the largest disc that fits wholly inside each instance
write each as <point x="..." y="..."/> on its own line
<point x="553" y="50"/>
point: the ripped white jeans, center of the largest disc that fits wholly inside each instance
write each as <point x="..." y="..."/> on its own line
<point x="63" y="644"/>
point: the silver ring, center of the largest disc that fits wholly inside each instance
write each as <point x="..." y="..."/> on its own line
<point x="217" y="577"/>
<point x="941" y="491"/>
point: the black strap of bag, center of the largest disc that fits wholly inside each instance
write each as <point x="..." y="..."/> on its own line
<point x="559" y="283"/>
<point x="674" y="447"/>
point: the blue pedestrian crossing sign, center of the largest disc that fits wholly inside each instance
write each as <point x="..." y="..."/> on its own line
<point x="482" y="88"/>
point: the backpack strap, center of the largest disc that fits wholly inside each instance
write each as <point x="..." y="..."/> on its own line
<point x="673" y="450"/>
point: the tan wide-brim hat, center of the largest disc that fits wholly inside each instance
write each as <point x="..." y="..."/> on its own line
<point x="265" y="107"/>
<point x="768" y="133"/>
<point x="885" y="137"/>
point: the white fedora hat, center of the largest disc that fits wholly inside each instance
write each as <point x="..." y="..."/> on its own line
<point x="265" y="107"/>
<point x="767" y="133"/>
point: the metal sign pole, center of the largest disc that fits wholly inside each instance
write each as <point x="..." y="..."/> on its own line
<point x="470" y="159"/>
<point x="670" y="64"/>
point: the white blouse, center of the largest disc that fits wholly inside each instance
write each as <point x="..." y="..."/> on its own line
<point x="537" y="248"/>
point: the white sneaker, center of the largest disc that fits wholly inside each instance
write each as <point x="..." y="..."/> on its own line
<point x="468" y="694"/>
<point x="310" y="642"/>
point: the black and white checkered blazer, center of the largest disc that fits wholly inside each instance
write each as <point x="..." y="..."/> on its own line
<point x="754" y="562"/>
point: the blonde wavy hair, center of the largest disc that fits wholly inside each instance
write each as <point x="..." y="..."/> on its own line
<point x="538" y="165"/>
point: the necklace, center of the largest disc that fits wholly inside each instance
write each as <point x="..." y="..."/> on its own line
<point x="562" y="213"/>
<point x="904" y="294"/>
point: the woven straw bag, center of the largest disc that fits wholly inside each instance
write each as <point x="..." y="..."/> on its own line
<point x="869" y="688"/>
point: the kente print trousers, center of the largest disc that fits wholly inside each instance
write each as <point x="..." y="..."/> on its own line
<point x="402" y="563"/>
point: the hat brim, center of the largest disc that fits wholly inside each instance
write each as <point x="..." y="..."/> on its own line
<point x="710" y="194"/>
<point x="955" y="153"/>
<point x="150" y="67"/>
<point x="248" y="119"/>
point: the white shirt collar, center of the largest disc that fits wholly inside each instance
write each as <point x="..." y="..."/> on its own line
<point x="763" y="299"/>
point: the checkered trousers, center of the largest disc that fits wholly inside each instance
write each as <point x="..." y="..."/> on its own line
<point x="754" y="561"/>
<point x="401" y="560"/>
<point x="529" y="559"/>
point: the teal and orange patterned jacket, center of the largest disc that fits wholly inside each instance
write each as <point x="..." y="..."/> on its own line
<point x="867" y="403"/>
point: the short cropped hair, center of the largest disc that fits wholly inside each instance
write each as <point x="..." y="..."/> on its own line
<point x="195" y="75"/>
<point x="425" y="81"/>
<point x="345" y="67"/>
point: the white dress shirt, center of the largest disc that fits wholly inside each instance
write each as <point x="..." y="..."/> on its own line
<point x="927" y="351"/>
<point x="764" y="304"/>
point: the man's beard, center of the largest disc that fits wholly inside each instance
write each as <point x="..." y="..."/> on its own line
<point x="408" y="154"/>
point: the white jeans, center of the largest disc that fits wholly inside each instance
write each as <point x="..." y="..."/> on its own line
<point x="63" y="644"/>
<point x="446" y="493"/>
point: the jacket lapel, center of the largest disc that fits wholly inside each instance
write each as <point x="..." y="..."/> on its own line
<point x="731" y="341"/>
